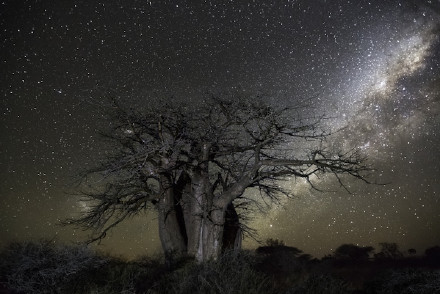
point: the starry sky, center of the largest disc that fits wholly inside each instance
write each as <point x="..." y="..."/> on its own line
<point x="371" y="66"/>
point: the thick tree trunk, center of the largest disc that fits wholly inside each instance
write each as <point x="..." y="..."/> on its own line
<point x="209" y="231"/>
<point x="204" y="221"/>
<point x="170" y="230"/>
<point x="195" y="207"/>
<point x="191" y="221"/>
<point x="211" y="236"/>
<point x="232" y="233"/>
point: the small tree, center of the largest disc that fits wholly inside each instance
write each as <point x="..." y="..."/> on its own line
<point x="194" y="164"/>
<point x="274" y="242"/>
<point x="277" y="246"/>
<point x="389" y="251"/>
<point x="433" y="253"/>
<point x="412" y="251"/>
<point x="354" y="252"/>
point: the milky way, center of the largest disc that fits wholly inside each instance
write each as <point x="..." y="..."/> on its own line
<point x="385" y="109"/>
<point x="371" y="67"/>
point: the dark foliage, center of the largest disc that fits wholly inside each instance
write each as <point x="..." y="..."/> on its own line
<point x="321" y="284"/>
<point x="283" y="264"/>
<point x="406" y="281"/>
<point x="44" y="267"/>
<point x="388" y="251"/>
<point x="433" y="252"/>
<point x="353" y="252"/>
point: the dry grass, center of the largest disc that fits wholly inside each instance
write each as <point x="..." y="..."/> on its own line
<point x="43" y="267"/>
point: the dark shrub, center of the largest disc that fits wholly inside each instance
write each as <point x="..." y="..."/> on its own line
<point x="407" y="281"/>
<point x="232" y="273"/>
<point x="432" y="255"/>
<point x="320" y="284"/>
<point x="43" y="267"/>
<point x="353" y="252"/>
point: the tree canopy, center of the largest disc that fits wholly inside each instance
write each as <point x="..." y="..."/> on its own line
<point x="194" y="163"/>
<point x="353" y="252"/>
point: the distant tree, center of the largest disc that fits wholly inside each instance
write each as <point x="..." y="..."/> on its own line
<point x="351" y="251"/>
<point x="305" y="257"/>
<point x="279" y="260"/>
<point x="277" y="246"/>
<point x="193" y="165"/>
<point x="412" y="251"/>
<point x="388" y="251"/>
<point x="327" y="257"/>
<point x="274" y="242"/>
<point x="433" y="252"/>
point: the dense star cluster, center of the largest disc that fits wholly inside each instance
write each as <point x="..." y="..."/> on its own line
<point x="371" y="67"/>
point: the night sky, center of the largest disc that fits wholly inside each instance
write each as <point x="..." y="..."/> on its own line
<point x="371" y="66"/>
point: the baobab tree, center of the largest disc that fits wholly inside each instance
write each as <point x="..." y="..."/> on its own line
<point x="193" y="164"/>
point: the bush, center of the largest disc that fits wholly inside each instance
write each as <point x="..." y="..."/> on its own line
<point x="230" y="274"/>
<point x="408" y="281"/>
<point x="320" y="284"/>
<point x="114" y="277"/>
<point x="42" y="267"/>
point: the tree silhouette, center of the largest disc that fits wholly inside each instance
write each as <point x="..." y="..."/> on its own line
<point x="274" y="242"/>
<point x="194" y="164"/>
<point x="412" y="251"/>
<point x="389" y="251"/>
<point x="433" y="253"/>
<point x="354" y="252"/>
<point x="276" y="246"/>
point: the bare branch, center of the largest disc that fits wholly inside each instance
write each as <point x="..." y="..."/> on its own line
<point x="228" y="144"/>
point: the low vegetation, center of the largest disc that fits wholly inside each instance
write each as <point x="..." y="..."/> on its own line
<point x="44" y="267"/>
